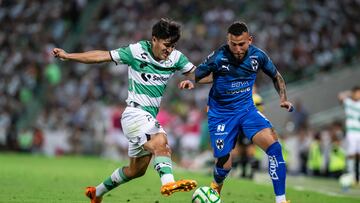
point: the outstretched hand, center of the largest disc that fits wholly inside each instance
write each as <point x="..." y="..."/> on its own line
<point x="186" y="84"/>
<point x="59" y="53"/>
<point x="287" y="105"/>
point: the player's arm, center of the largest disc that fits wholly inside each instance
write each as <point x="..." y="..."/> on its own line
<point x="95" y="56"/>
<point x="280" y="87"/>
<point x="343" y="95"/>
<point x="190" y="77"/>
<point x="204" y="72"/>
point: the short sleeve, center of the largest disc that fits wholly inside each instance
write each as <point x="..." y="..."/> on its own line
<point x="184" y="64"/>
<point x="267" y="66"/>
<point x="205" y="68"/>
<point x="121" y="55"/>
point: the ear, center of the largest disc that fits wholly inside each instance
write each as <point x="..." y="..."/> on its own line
<point x="250" y="39"/>
<point x="154" y="39"/>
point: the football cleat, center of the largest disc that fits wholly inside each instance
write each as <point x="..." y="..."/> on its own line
<point x="216" y="187"/>
<point x="286" y="201"/>
<point x="178" y="186"/>
<point x="90" y="192"/>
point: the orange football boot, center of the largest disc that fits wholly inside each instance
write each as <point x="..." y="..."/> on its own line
<point x="90" y="192"/>
<point x="178" y="186"/>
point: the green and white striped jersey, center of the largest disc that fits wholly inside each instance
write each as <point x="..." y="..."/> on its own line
<point x="352" y="111"/>
<point x="147" y="77"/>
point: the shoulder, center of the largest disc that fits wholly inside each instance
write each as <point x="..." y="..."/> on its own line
<point x="254" y="50"/>
<point x="217" y="55"/>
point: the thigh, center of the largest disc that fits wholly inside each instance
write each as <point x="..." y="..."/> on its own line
<point x="264" y="138"/>
<point x="253" y="122"/>
<point x="352" y="144"/>
<point x="138" y="126"/>
<point x="223" y="132"/>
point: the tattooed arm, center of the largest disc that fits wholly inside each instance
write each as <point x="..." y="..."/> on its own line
<point x="280" y="87"/>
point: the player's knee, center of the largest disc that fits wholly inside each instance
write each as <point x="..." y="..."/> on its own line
<point x="223" y="162"/>
<point x="160" y="146"/>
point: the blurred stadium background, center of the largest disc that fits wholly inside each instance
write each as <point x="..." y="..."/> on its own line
<point x="54" y="108"/>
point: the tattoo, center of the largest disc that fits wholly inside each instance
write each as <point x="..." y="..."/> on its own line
<point x="280" y="87"/>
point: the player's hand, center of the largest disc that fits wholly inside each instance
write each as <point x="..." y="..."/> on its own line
<point x="287" y="105"/>
<point x="186" y="84"/>
<point x="59" y="53"/>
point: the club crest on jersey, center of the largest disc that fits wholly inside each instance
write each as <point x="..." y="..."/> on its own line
<point x="220" y="144"/>
<point x="167" y="62"/>
<point x="254" y="64"/>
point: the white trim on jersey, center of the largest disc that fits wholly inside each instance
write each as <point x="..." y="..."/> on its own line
<point x="143" y="100"/>
<point x="187" y="67"/>
<point x="115" y="56"/>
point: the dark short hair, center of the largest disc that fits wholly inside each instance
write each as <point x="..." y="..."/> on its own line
<point x="237" y="28"/>
<point x="355" y="88"/>
<point x="166" y="29"/>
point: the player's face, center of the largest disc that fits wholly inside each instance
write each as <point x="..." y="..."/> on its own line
<point x="239" y="44"/>
<point x="162" y="48"/>
<point x="356" y="95"/>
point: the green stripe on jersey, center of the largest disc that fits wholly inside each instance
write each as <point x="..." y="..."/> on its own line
<point x="353" y="108"/>
<point x="352" y="129"/>
<point x="145" y="67"/>
<point x="151" y="109"/>
<point x="149" y="90"/>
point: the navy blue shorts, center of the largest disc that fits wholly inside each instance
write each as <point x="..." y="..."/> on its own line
<point x="224" y="129"/>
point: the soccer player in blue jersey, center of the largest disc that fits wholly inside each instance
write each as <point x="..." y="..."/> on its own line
<point x="232" y="69"/>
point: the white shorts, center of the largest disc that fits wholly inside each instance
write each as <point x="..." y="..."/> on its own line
<point x="138" y="125"/>
<point x="352" y="143"/>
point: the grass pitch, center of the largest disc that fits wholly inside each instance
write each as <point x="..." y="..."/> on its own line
<point x="39" y="179"/>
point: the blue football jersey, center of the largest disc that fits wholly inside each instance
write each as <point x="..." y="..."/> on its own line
<point x="233" y="79"/>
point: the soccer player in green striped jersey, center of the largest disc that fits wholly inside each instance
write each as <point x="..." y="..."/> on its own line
<point x="150" y="66"/>
<point x="351" y="102"/>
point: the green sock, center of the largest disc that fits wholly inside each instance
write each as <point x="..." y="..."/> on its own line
<point x="117" y="178"/>
<point x="163" y="165"/>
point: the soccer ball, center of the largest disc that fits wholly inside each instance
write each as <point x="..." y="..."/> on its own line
<point x="205" y="195"/>
<point x="346" y="180"/>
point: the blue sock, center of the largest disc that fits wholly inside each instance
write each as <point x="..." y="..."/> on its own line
<point x="277" y="168"/>
<point x="220" y="174"/>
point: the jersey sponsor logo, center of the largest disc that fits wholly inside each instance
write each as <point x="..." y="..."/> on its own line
<point x="272" y="167"/>
<point x="220" y="144"/>
<point x="160" y="78"/>
<point x="242" y="90"/>
<point x="254" y="64"/>
<point x="147" y="77"/>
<point x="239" y="84"/>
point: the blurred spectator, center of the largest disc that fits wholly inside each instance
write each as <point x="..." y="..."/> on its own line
<point x="299" y="119"/>
<point x="315" y="162"/>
